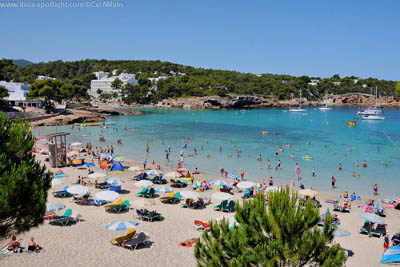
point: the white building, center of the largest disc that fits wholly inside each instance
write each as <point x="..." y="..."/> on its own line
<point x="103" y="82"/>
<point x="155" y="80"/>
<point x="40" y="77"/>
<point x="313" y="82"/>
<point x="17" y="91"/>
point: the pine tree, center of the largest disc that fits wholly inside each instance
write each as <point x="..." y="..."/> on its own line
<point x="283" y="233"/>
<point x="23" y="181"/>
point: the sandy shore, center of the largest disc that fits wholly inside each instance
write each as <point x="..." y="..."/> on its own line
<point x="87" y="243"/>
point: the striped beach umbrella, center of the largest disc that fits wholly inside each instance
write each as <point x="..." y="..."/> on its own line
<point x="121" y="225"/>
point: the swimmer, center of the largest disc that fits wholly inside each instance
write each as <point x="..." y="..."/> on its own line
<point x="313" y="172"/>
<point x="340" y="166"/>
<point x="364" y="164"/>
<point x="356" y="163"/>
<point x="259" y="158"/>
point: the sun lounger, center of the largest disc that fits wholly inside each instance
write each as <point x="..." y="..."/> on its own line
<point x="170" y="195"/>
<point x="148" y="215"/>
<point x="98" y="203"/>
<point x="140" y="177"/>
<point x="141" y="193"/>
<point x="366" y="228"/>
<point x="172" y="200"/>
<point x="159" y="180"/>
<point x="117" y="203"/>
<point x="230" y="207"/>
<point x="118" y="241"/>
<point x="63" y="193"/>
<point x="342" y="206"/>
<point x="149" y="193"/>
<point x="379" y="231"/>
<point x="133" y="243"/>
<point x="103" y="185"/>
<point x="220" y="205"/>
<point x="119" y="208"/>
<point x="178" y="184"/>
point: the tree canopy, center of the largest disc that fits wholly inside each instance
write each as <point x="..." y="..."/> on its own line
<point x="190" y="81"/>
<point x="3" y="92"/>
<point x="23" y="181"/>
<point x="284" y="233"/>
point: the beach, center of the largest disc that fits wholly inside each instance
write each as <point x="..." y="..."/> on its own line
<point x="207" y="139"/>
<point x="86" y="243"/>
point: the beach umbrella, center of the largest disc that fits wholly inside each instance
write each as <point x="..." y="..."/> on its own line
<point x="391" y="255"/>
<point x="76" y="145"/>
<point x="271" y="189"/>
<point x="245" y="184"/>
<point x="234" y="176"/>
<point x="143" y="183"/>
<point x="163" y="189"/>
<point x="308" y="192"/>
<point x="190" y="194"/>
<point x="135" y="168"/>
<point x="221" y="196"/>
<point x="55" y="182"/>
<point x="142" y="203"/>
<point x="114" y="181"/>
<point x="54" y="206"/>
<point x="219" y="183"/>
<point x="77" y="189"/>
<point x="230" y="219"/>
<point x="377" y="206"/>
<point x="121" y="225"/>
<point x="107" y="195"/>
<point x="340" y="232"/>
<point x="372" y="217"/>
<point x="96" y="175"/>
<point x="153" y="172"/>
<point x="173" y="175"/>
<point x="119" y="159"/>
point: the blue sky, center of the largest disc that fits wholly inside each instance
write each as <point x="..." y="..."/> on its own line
<point x="312" y="37"/>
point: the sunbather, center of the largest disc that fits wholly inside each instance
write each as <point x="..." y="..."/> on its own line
<point x="14" y="245"/>
<point x="188" y="243"/>
<point x="33" y="246"/>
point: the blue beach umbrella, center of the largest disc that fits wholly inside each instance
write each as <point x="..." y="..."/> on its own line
<point x="372" y="217"/>
<point x="233" y="176"/>
<point x="391" y="255"/>
<point x="219" y="183"/>
<point x="163" y="189"/>
<point x="121" y="225"/>
<point x="377" y="206"/>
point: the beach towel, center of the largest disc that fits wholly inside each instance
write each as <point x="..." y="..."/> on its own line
<point x="61" y="175"/>
<point x="330" y="201"/>
<point x="89" y="164"/>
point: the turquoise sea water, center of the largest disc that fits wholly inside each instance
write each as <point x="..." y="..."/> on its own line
<point x="325" y="136"/>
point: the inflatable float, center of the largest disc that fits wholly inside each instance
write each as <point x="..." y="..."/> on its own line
<point x="265" y="132"/>
<point x="351" y="123"/>
<point x="307" y="158"/>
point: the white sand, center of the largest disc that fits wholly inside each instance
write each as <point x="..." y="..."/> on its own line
<point x="87" y="243"/>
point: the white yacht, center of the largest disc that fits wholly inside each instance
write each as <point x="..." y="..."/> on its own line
<point x="372" y="112"/>
<point x="298" y="109"/>
<point x="373" y="117"/>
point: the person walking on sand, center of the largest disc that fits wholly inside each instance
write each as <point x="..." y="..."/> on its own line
<point x="144" y="164"/>
<point x="242" y="175"/>
<point x="333" y="182"/>
<point x="268" y="164"/>
<point x="375" y="189"/>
